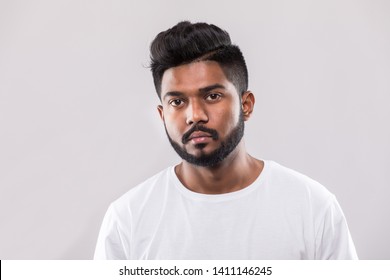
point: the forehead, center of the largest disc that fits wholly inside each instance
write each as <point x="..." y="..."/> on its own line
<point x="194" y="76"/>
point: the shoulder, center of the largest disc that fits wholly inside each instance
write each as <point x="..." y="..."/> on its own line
<point x="149" y="191"/>
<point x="295" y="185"/>
<point x="123" y="215"/>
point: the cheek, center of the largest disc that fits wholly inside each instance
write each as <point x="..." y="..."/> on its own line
<point x="227" y="120"/>
<point x="173" y="126"/>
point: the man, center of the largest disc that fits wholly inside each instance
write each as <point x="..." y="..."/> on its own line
<point x="219" y="202"/>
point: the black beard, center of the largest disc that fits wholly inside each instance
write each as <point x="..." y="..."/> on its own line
<point x="217" y="156"/>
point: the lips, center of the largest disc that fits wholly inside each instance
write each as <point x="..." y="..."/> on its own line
<point x="200" y="138"/>
<point x="198" y="134"/>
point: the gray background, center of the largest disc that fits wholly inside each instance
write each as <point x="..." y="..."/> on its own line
<point x="79" y="124"/>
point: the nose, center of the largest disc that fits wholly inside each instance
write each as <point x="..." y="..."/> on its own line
<point x="196" y="113"/>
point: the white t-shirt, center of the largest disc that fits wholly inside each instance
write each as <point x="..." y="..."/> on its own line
<point x="282" y="215"/>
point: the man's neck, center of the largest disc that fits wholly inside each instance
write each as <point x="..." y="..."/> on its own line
<point x="236" y="172"/>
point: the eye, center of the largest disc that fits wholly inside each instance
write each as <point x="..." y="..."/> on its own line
<point x="176" y="102"/>
<point x="213" y="97"/>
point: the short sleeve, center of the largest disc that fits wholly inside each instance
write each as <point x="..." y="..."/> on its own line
<point x="111" y="243"/>
<point x="333" y="240"/>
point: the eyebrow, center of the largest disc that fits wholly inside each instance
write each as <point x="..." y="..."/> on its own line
<point x="172" y="94"/>
<point x="210" y="88"/>
<point x="201" y="90"/>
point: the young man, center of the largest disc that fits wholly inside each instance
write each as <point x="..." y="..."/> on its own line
<point x="219" y="202"/>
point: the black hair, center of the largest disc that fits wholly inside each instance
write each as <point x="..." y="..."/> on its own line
<point x="187" y="42"/>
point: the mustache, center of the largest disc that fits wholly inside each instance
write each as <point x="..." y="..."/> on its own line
<point x="213" y="133"/>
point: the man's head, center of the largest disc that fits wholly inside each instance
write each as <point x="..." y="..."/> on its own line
<point x="201" y="80"/>
<point x="187" y="42"/>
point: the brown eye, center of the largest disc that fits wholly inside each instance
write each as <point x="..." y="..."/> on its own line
<point x="176" y="102"/>
<point x="213" y="97"/>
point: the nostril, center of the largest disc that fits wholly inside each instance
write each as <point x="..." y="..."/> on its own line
<point x="196" y="113"/>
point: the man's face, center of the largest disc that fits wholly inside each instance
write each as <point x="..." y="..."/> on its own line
<point x="202" y="112"/>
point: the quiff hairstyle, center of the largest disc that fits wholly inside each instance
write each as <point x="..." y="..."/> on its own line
<point x="187" y="42"/>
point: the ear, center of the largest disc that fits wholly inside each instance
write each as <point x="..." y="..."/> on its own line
<point x="248" y="103"/>
<point x="160" y="110"/>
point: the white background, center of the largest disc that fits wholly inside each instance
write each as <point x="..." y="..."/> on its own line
<point x="79" y="125"/>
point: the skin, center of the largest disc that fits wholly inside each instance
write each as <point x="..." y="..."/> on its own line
<point x="199" y="92"/>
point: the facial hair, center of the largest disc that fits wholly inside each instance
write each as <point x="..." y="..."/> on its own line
<point x="215" y="157"/>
